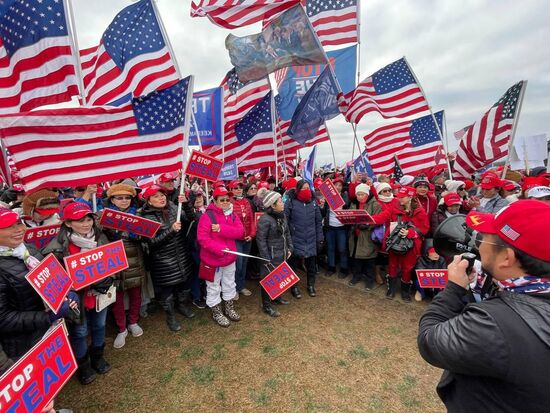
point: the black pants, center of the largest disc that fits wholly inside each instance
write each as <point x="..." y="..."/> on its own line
<point x="364" y="267"/>
<point x="311" y="267"/>
<point x="162" y="293"/>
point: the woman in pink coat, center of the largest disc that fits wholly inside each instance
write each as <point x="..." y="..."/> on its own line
<point x="217" y="232"/>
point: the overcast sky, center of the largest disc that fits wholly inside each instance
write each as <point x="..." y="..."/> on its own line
<point x="466" y="54"/>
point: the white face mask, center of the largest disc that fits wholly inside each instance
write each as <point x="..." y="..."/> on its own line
<point x="228" y="210"/>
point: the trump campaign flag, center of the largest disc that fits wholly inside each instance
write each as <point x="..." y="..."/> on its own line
<point x="131" y="60"/>
<point x="37" y="64"/>
<point x="238" y="13"/>
<point x="392" y="91"/>
<point x="487" y="140"/>
<point x="319" y="104"/>
<point x="66" y="147"/>
<point x="310" y="166"/>
<point x="414" y="142"/>
<point x="208" y="111"/>
<point x="288" y="40"/>
<point x="297" y="80"/>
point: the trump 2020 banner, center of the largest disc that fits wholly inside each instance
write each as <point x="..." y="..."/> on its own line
<point x="31" y="383"/>
<point x="298" y="79"/>
<point x="208" y="111"/>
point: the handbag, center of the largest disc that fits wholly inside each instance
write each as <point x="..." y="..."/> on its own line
<point x="396" y="243"/>
<point x="207" y="272"/>
<point x="105" y="300"/>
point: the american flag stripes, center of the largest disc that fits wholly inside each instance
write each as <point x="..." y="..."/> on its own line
<point x="37" y="65"/>
<point x="392" y="91"/>
<point x="66" y="147"/>
<point x="334" y="21"/>
<point x="238" y="13"/>
<point x="290" y="146"/>
<point x="131" y="60"/>
<point x="414" y="143"/>
<point x="487" y="140"/>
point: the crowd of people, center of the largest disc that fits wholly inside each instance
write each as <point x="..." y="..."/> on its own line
<point x="189" y="265"/>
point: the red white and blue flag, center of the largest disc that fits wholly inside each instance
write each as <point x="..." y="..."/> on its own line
<point x="392" y="91"/>
<point x="132" y="59"/>
<point x="80" y="146"/>
<point x="37" y="64"/>
<point x="334" y="21"/>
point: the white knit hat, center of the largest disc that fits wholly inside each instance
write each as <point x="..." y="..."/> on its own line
<point x="381" y="186"/>
<point x="362" y="188"/>
<point x="270" y="198"/>
<point x="452" y="186"/>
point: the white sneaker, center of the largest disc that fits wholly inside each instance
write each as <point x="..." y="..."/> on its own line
<point x="418" y="296"/>
<point x="120" y="339"/>
<point x="135" y="330"/>
<point x="236" y="298"/>
<point x="246" y="292"/>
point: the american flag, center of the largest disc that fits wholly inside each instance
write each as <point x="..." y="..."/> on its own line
<point x="131" y="60"/>
<point x="334" y="21"/>
<point x="397" y="171"/>
<point x="487" y="140"/>
<point x="413" y="142"/>
<point x="66" y="147"/>
<point x="37" y="65"/>
<point x="392" y="92"/>
<point x="238" y="13"/>
<point x="289" y="146"/>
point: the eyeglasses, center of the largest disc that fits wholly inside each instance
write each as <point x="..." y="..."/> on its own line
<point x="223" y="200"/>
<point x="479" y="240"/>
<point x="123" y="198"/>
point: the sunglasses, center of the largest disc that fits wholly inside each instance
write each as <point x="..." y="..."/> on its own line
<point x="123" y="198"/>
<point x="384" y="191"/>
<point x="223" y="200"/>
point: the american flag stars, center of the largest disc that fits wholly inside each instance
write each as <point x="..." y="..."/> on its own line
<point x="257" y="121"/>
<point x="317" y="6"/>
<point x="393" y="77"/>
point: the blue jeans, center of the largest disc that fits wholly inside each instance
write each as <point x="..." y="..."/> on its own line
<point x="196" y="282"/>
<point x="337" y="239"/>
<point x="240" y="272"/>
<point x="79" y="332"/>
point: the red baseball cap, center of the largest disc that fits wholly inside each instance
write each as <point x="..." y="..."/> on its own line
<point x="7" y="218"/>
<point x="519" y="224"/>
<point x="75" y="211"/>
<point x="406" y="191"/>
<point x="263" y="184"/>
<point x="152" y="190"/>
<point x="338" y="179"/>
<point x="220" y="191"/>
<point x="452" y="198"/>
<point x="167" y="177"/>
<point x="532" y="181"/>
<point x="235" y="184"/>
<point x="290" y="184"/>
<point x="510" y="185"/>
<point x="490" y="181"/>
<point x="218" y="184"/>
<point x="317" y="183"/>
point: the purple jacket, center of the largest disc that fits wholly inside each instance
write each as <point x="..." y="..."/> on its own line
<point x="213" y="243"/>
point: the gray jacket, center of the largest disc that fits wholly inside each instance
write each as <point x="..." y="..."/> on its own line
<point x="494" y="205"/>
<point x="273" y="240"/>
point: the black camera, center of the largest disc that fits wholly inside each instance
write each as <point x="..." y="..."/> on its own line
<point x="453" y="237"/>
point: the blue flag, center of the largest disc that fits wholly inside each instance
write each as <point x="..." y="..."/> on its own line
<point x="229" y="171"/>
<point x="318" y="105"/>
<point x="310" y="165"/>
<point x="299" y="79"/>
<point x="363" y="165"/>
<point x="207" y="107"/>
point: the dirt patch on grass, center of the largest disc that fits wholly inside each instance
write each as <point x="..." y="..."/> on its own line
<point x="343" y="351"/>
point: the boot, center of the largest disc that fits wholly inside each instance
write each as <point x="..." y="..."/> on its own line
<point x="269" y="310"/>
<point x="229" y="310"/>
<point x="98" y="362"/>
<point x="392" y="283"/>
<point x="406" y="291"/>
<point x="218" y="316"/>
<point x="85" y="373"/>
<point x="171" y="320"/>
<point x="281" y="301"/>
<point x="183" y="306"/>
<point x="295" y="292"/>
<point x="311" y="291"/>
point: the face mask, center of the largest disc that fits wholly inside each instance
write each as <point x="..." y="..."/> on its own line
<point x="304" y="195"/>
<point x="228" y="210"/>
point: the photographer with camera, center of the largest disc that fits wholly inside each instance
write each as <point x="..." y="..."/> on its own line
<point x="496" y="353"/>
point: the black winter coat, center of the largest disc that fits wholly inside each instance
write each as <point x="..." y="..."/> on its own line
<point x="23" y="319"/>
<point x="304" y="220"/>
<point x="169" y="258"/>
<point x="496" y="353"/>
<point x="273" y="240"/>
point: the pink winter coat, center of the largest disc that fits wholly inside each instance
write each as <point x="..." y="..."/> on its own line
<point x="213" y="243"/>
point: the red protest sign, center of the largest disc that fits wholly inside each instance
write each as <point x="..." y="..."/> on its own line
<point x="432" y="278"/>
<point x="279" y="280"/>
<point x="353" y="216"/>
<point x="203" y="166"/>
<point x="31" y="383"/>
<point x="331" y="194"/>
<point x="129" y="223"/>
<point x="41" y="236"/>
<point x="51" y="282"/>
<point x="86" y="268"/>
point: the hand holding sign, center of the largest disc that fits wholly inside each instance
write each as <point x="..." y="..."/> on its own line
<point x="331" y="194"/>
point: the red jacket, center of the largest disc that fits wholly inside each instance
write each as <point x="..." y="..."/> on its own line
<point x="242" y="208"/>
<point x="429" y="203"/>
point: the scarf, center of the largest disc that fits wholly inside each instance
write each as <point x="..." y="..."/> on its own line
<point x="22" y="253"/>
<point x="526" y="284"/>
<point x="228" y="211"/>
<point x="385" y="198"/>
<point x="84" y="242"/>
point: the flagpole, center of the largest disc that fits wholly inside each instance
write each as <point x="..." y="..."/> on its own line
<point x="186" y="129"/>
<point x="200" y="146"/>
<point x="76" y="52"/>
<point x="432" y="115"/>
<point x="514" y="127"/>
<point x="274" y="125"/>
<point x="358" y="42"/>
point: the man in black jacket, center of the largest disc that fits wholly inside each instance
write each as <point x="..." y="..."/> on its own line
<point x="496" y="353"/>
